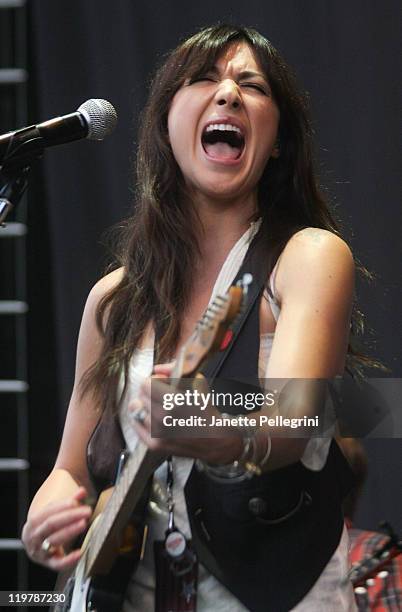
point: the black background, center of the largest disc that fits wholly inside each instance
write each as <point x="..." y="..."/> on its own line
<point x="346" y="54"/>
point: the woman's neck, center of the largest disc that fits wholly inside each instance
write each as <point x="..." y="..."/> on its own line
<point x="223" y="223"/>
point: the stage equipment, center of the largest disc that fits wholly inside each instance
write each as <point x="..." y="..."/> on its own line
<point x="94" y="119"/>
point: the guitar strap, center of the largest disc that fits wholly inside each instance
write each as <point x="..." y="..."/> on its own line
<point x="247" y="344"/>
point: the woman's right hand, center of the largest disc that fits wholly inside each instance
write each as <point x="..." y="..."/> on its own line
<point x="55" y="527"/>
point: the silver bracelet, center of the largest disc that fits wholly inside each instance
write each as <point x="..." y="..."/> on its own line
<point x="240" y="469"/>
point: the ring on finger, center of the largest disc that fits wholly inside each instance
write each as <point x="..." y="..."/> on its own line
<point x="140" y="415"/>
<point x="47" y="548"/>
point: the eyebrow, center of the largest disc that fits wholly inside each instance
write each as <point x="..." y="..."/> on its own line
<point x="250" y="74"/>
<point x="245" y="74"/>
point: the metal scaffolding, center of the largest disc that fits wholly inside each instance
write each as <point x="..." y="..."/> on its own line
<point x="13" y="295"/>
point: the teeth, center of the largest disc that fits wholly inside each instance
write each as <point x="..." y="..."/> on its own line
<point x="224" y="127"/>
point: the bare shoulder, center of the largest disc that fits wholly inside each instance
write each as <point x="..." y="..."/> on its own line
<point x="106" y="284"/>
<point x="89" y="340"/>
<point x="313" y="256"/>
<point x="100" y="289"/>
<point x="316" y="240"/>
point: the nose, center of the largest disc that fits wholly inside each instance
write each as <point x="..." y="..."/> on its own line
<point x="228" y="93"/>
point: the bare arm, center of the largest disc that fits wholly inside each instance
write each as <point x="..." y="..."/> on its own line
<point x="315" y="285"/>
<point x="56" y="512"/>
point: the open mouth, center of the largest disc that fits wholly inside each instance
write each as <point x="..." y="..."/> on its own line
<point x="223" y="141"/>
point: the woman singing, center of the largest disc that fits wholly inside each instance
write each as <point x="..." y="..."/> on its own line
<point x="224" y="160"/>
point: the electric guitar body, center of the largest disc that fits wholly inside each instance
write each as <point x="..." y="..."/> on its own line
<point x="101" y="592"/>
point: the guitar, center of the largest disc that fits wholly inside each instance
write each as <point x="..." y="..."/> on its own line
<point x="370" y="576"/>
<point x="108" y="535"/>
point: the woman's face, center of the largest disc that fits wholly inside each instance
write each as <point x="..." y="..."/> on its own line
<point x="223" y="126"/>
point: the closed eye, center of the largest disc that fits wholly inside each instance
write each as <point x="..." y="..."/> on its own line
<point x="199" y="79"/>
<point x="256" y="87"/>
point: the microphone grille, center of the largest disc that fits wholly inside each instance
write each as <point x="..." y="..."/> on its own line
<point x="100" y="116"/>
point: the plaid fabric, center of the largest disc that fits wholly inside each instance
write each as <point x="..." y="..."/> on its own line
<point x="384" y="595"/>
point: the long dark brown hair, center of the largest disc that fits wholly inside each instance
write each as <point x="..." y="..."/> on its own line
<point x="158" y="244"/>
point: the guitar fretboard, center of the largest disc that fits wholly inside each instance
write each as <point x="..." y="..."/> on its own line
<point x="127" y="493"/>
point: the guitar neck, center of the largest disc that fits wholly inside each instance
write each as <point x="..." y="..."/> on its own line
<point x="127" y="493"/>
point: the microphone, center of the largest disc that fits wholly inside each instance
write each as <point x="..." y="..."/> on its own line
<point x="94" y="119"/>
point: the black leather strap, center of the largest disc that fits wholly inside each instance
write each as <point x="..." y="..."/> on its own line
<point x="255" y="263"/>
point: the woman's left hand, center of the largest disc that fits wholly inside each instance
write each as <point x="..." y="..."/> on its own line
<point x="213" y="448"/>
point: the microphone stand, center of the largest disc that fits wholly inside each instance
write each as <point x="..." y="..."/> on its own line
<point x="13" y="183"/>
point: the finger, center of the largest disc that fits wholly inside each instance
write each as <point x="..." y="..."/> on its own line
<point x="200" y="383"/>
<point x="153" y="391"/>
<point x="141" y="431"/>
<point x="164" y="368"/>
<point x="67" y="534"/>
<point x="140" y="415"/>
<point x="80" y="494"/>
<point x="134" y="407"/>
<point x="154" y="444"/>
<point x="144" y="426"/>
<point x="63" y="562"/>
<point x="59" y="521"/>
<point x="52" y="507"/>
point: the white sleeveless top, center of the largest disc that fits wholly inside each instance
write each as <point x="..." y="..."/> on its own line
<point x="212" y="595"/>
